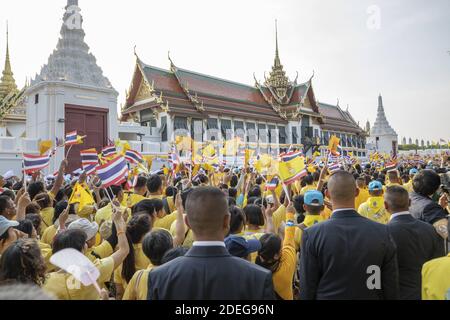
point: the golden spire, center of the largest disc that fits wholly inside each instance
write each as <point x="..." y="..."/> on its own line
<point x="7" y="84"/>
<point x="278" y="79"/>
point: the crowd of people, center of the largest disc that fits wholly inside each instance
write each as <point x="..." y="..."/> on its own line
<point x="354" y="233"/>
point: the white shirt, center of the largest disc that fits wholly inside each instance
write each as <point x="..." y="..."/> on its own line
<point x="343" y="209"/>
<point x="403" y="213"/>
<point x="209" y="244"/>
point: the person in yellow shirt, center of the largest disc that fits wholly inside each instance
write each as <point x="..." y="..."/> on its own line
<point x="436" y="279"/>
<point x="255" y="219"/>
<point x="154" y="246"/>
<point x="373" y="208"/>
<point x="62" y="285"/>
<point x="155" y="187"/>
<point x="136" y="260"/>
<point x="103" y="250"/>
<point x="280" y="258"/>
<point x="47" y="210"/>
<point x="393" y="178"/>
<point x="309" y="180"/>
<point x="50" y="232"/>
<point x="409" y="185"/>
<point x="313" y="206"/>
<point x="105" y="213"/>
<point x="139" y="192"/>
<point x="363" y="194"/>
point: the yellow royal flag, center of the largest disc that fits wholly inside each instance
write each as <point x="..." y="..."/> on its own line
<point x="273" y="168"/>
<point x="44" y="146"/>
<point x="209" y="150"/>
<point x="248" y="155"/>
<point x="183" y="143"/>
<point x="81" y="196"/>
<point x="123" y="145"/>
<point x="291" y="170"/>
<point x="231" y="147"/>
<point x="334" y="143"/>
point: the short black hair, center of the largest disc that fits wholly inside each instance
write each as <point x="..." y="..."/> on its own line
<point x="309" y="180"/>
<point x="298" y="204"/>
<point x="141" y="181"/>
<point x="70" y="239"/>
<point x="154" y="183"/>
<point x="156" y="244"/>
<point x="9" y="193"/>
<point x="26" y="226"/>
<point x="397" y="198"/>
<point x="237" y="219"/>
<point x="4" y="203"/>
<point x="254" y="215"/>
<point x="171" y="191"/>
<point x="148" y="206"/>
<point x="426" y="182"/>
<point x="34" y="188"/>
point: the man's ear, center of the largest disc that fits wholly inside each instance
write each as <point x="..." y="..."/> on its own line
<point x="386" y="206"/>
<point x="356" y="192"/>
<point x="327" y="194"/>
<point x="304" y="207"/>
<point x="226" y="223"/>
<point x="186" y="221"/>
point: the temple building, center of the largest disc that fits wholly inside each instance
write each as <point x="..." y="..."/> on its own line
<point x="341" y="124"/>
<point x="277" y="112"/>
<point x="71" y="93"/>
<point x="382" y="137"/>
<point x="12" y="101"/>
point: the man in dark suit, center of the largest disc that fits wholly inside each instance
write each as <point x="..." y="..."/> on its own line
<point x="417" y="242"/>
<point x="347" y="257"/>
<point x="208" y="271"/>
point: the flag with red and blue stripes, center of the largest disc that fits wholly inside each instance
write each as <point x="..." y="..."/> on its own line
<point x="109" y="151"/>
<point x="273" y="184"/>
<point x="71" y="138"/>
<point x="114" y="172"/>
<point x="33" y="163"/>
<point x="133" y="157"/>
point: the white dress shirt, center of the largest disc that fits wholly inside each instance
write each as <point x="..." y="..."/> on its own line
<point x="209" y="244"/>
<point x="403" y="213"/>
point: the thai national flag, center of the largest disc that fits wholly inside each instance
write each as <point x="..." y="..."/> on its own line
<point x="391" y="166"/>
<point x="109" y="151"/>
<point x="291" y="155"/>
<point x="133" y="157"/>
<point x="90" y="169"/>
<point x="334" y="167"/>
<point x="71" y="138"/>
<point x="113" y="172"/>
<point x="273" y="184"/>
<point x="33" y="163"/>
<point x="89" y="157"/>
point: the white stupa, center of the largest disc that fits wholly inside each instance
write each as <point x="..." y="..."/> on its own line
<point x="71" y="92"/>
<point x="383" y="137"/>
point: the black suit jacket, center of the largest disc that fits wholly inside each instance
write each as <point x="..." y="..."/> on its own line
<point x="417" y="242"/>
<point x="340" y="257"/>
<point x="210" y="273"/>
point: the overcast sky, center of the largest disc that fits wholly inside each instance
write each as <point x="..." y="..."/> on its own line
<point x="355" y="56"/>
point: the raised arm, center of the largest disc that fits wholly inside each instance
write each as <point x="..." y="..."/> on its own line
<point x="123" y="247"/>
<point x="60" y="178"/>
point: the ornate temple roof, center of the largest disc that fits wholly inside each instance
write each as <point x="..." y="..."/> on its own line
<point x="381" y="126"/>
<point x="12" y="100"/>
<point x="71" y="60"/>
<point x="336" y="119"/>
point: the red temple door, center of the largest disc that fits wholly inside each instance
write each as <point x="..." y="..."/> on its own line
<point x="87" y="121"/>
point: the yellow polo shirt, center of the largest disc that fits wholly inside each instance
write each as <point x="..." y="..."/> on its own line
<point x="436" y="279"/>
<point x="166" y="222"/>
<point x="140" y="262"/>
<point x="137" y="289"/>
<point x="105" y="214"/>
<point x="47" y="217"/>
